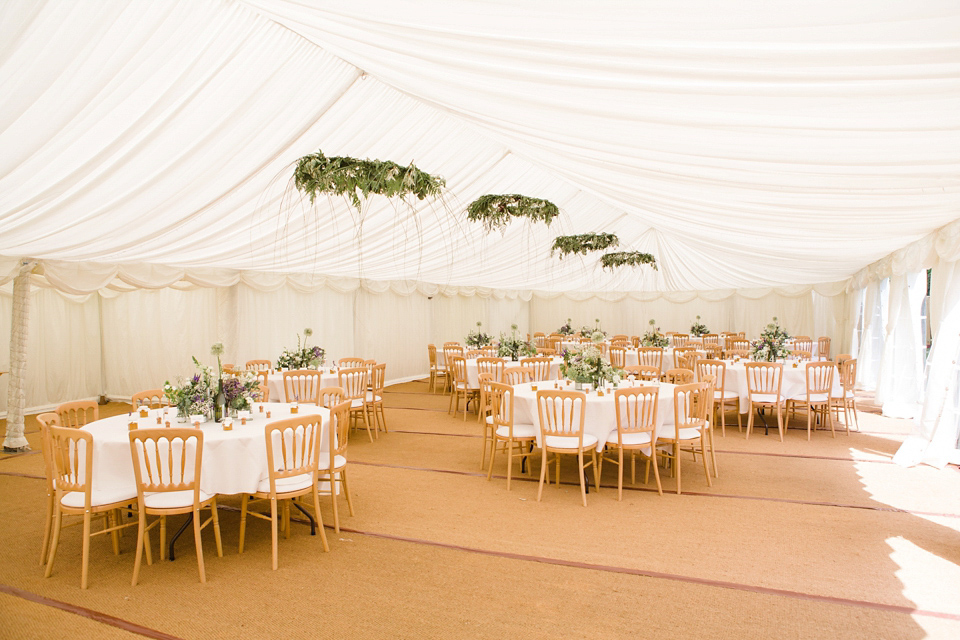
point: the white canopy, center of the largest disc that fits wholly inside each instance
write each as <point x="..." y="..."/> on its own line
<point x="745" y="144"/>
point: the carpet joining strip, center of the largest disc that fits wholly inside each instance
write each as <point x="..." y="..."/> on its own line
<point x="90" y="614"/>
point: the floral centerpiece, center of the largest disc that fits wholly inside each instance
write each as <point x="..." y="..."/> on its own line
<point x="567" y="329"/>
<point x="587" y="365"/>
<point x="195" y="396"/>
<point x="653" y="337"/>
<point x="513" y="347"/>
<point x="241" y="390"/>
<point x="478" y="339"/>
<point x="302" y="357"/>
<point x="771" y="345"/>
<point x="698" y="328"/>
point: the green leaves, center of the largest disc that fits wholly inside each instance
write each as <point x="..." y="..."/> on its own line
<point x="583" y="243"/>
<point x="341" y="175"/>
<point x="627" y="258"/>
<point x="495" y="211"/>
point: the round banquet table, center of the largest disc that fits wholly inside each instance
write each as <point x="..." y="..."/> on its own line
<point x="278" y="394"/>
<point x="633" y="358"/>
<point x="600" y="420"/>
<point x="233" y="461"/>
<point x="793" y="386"/>
<point x="473" y="374"/>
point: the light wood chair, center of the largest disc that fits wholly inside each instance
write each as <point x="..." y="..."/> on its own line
<point x="680" y="339"/>
<point x="47" y="420"/>
<point x="353" y="381"/>
<point x="473" y="354"/>
<point x="485" y="414"/>
<point x="618" y="357"/>
<point x="301" y="385"/>
<point x="841" y="358"/>
<point x="264" y="392"/>
<point x="691" y="402"/>
<point x="802" y="343"/>
<point x="540" y="366"/>
<point x="517" y="440"/>
<point x="545" y="351"/>
<point x="461" y="388"/>
<point x="816" y="400"/>
<point x="451" y="343"/>
<point x="711" y="339"/>
<point x="351" y="362"/>
<point x="332" y="465"/>
<point x="721" y="397"/>
<point x="71" y="467"/>
<point x="329" y="397"/>
<point x="258" y="365"/>
<point x="493" y="367"/>
<point x="651" y="357"/>
<point x="167" y="464"/>
<point x="636" y="340"/>
<point x="848" y="401"/>
<point x="517" y="375"/>
<point x="451" y="351"/>
<point x="436" y="370"/>
<point x="489" y="352"/>
<point x="740" y="348"/>
<point x="228" y="367"/>
<point x="679" y="376"/>
<point x="713" y="351"/>
<point x="823" y="348"/>
<point x="802" y="356"/>
<point x="764" y="381"/>
<point x="688" y="359"/>
<point x="293" y="450"/>
<point x="561" y="432"/>
<point x="636" y="432"/>
<point x="374" y="398"/>
<point x="78" y="413"/>
<point x="152" y="399"/>
<point x="645" y="372"/>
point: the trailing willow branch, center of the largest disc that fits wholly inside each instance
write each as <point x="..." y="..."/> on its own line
<point x="495" y="211"/>
<point x="583" y="243"/>
<point x="627" y="258"/>
<point x="341" y="175"/>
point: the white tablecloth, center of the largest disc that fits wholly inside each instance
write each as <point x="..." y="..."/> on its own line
<point x="601" y="412"/>
<point x="275" y="383"/>
<point x="233" y="461"/>
<point x="794" y="385"/>
<point x="473" y="374"/>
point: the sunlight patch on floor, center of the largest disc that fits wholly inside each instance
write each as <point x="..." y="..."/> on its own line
<point x="930" y="590"/>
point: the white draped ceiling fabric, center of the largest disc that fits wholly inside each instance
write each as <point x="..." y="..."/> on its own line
<point x="766" y="153"/>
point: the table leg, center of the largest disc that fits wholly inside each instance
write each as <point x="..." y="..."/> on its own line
<point x="183" y="527"/>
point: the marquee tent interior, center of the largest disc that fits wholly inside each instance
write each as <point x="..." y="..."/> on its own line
<point x="799" y="161"/>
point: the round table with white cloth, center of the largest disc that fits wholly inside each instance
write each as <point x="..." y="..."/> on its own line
<point x="600" y="419"/>
<point x="473" y="374"/>
<point x="278" y="394"/>
<point x="233" y="461"/>
<point x="793" y="386"/>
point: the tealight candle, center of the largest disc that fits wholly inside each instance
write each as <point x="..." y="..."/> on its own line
<point x="132" y="425"/>
<point x="228" y="424"/>
<point x="268" y="414"/>
<point x="294" y="408"/>
<point x="144" y="412"/>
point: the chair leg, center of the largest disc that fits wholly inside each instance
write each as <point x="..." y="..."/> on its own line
<point x="47" y="528"/>
<point x="333" y="499"/>
<point x="809" y="421"/>
<point x="676" y="464"/>
<point x="141" y="532"/>
<point x="580" y="472"/>
<point x="543" y="471"/>
<point x="596" y="470"/>
<point x="346" y="490"/>
<point x="620" y="474"/>
<point x="163" y="537"/>
<point x="723" y="419"/>
<point x="706" y="467"/>
<point x="780" y="422"/>
<point x="86" y="550"/>
<point x="736" y="407"/>
<point x="243" y="520"/>
<point x="316" y="507"/>
<point x="273" y="530"/>
<point x="493" y="454"/>
<point x="510" y="444"/>
<point x="115" y="534"/>
<point x="749" y="422"/>
<point x="656" y="470"/>
<point x="198" y="542"/>
<point x="216" y="527"/>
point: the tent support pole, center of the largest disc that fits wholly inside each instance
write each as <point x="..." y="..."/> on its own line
<point x="19" y="329"/>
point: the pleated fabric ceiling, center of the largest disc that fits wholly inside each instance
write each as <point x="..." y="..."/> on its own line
<point x="745" y="144"/>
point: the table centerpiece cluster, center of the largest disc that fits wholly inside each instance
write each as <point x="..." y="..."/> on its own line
<point x="587" y="365"/>
<point x="653" y="337"/>
<point x="698" y="329"/>
<point x="771" y="345"/>
<point x="478" y="339"/>
<point x="513" y="346"/>
<point x="303" y="357"/>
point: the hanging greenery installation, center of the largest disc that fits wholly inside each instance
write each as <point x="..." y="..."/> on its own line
<point x="341" y="175"/>
<point x="627" y="258"/>
<point x="495" y="211"/>
<point x="583" y="243"/>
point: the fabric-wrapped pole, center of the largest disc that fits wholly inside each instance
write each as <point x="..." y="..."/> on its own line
<point x="16" y="395"/>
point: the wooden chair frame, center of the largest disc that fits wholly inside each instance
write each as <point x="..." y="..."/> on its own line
<point x="636" y="416"/>
<point x="502" y="432"/>
<point x="561" y="415"/>
<point x="765" y="379"/>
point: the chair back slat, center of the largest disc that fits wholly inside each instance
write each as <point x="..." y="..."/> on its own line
<point x="339" y="430"/>
<point x="79" y="413"/>
<point x="353" y="381"/>
<point x="517" y="375"/>
<point x="330" y="397"/>
<point x="636" y="411"/>
<point x="71" y="452"/>
<point x="258" y="365"/>
<point x="540" y="366"/>
<point x="819" y="377"/>
<point x="651" y="357"/>
<point x="562" y="413"/>
<point x="293" y="447"/>
<point x="151" y="398"/>
<point x="764" y="377"/>
<point x="301" y="385"/>
<point x="167" y="459"/>
<point x="493" y="366"/>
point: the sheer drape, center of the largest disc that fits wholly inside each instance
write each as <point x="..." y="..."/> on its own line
<point x="900" y="384"/>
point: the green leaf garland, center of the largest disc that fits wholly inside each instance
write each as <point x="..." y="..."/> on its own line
<point x="341" y="175"/>
<point x="495" y="211"/>
<point x="627" y="258"/>
<point x="583" y="243"/>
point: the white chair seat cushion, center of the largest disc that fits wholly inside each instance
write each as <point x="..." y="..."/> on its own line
<point x="371" y="397"/>
<point x="172" y="499"/>
<point x="570" y="442"/>
<point x="284" y="485"/>
<point x="845" y="394"/>
<point x="770" y="398"/>
<point x="338" y="461"/>
<point x="489" y="419"/>
<point x="817" y="397"/>
<point x="725" y="395"/>
<point x="519" y="431"/>
<point x="356" y="403"/>
<point x="98" y="497"/>
<point x="669" y="431"/>
<point x="631" y="439"/>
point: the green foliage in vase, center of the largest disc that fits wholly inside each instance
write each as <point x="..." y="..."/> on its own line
<point x="627" y="258"/>
<point x="698" y="328"/>
<point x="341" y="175"/>
<point x="583" y="243"/>
<point x="495" y="211"/>
<point x="771" y="345"/>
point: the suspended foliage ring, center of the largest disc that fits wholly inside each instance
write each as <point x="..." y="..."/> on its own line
<point x="627" y="259"/>
<point x="495" y="211"/>
<point x="583" y="243"/>
<point x="341" y="175"/>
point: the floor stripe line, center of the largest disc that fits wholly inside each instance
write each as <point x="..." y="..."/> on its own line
<point x="21" y="475"/>
<point x="17" y="455"/>
<point x="698" y="494"/>
<point x="721" y="584"/>
<point x="90" y="614"/>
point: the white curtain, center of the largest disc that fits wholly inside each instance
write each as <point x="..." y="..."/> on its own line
<point x="934" y="440"/>
<point x="871" y="341"/>
<point x="900" y="384"/>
